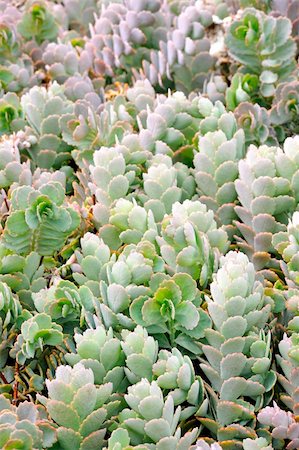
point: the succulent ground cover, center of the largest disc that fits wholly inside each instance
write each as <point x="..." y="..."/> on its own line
<point x="149" y="224"/>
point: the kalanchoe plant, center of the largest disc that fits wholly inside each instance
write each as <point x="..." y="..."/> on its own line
<point x="10" y="113"/>
<point x="141" y="352"/>
<point x="238" y="355"/>
<point x="43" y="110"/>
<point x="285" y="107"/>
<point x="152" y="419"/>
<point x="171" y="125"/>
<point x="255" y="122"/>
<point x="10" y="307"/>
<point x="203" y="445"/>
<point x="185" y="58"/>
<point x="129" y="223"/>
<point x="288" y="361"/>
<point x="63" y="61"/>
<point x="89" y="268"/>
<point x="19" y="76"/>
<point x="119" y="43"/>
<point x="80" y="409"/>
<point x="216" y="168"/>
<point x="11" y="317"/>
<point x="123" y="280"/>
<point x="268" y="192"/>
<point x="87" y="128"/>
<point x="149" y="191"/>
<point x="38" y="22"/>
<point x="164" y="184"/>
<point x="80" y="13"/>
<point x="99" y="350"/>
<point x="172" y="308"/>
<point x="287" y="244"/>
<point x="36" y="332"/>
<point x="24" y="275"/>
<point x="110" y="180"/>
<point x="215" y="88"/>
<point x="191" y="241"/>
<point x="175" y="373"/>
<point x="263" y="45"/>
<point x="260" y="443"/>
<point x="282" y="425"/>
<point x="10" y="45"/>
<point x="25" y="426"/>
<point x="39" y="221"/>
<point x="11" y="168"/>
<point x="64" y="302"/>
<point x="243" y="88"/>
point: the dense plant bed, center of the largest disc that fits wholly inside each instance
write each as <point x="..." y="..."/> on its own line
<point x="149" y="234"/>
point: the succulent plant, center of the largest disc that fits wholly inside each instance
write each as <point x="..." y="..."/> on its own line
<point x="39" y="221"/>
<point x="288" y="8"/>
<point x="10" y="113"/>
<point x="286" y="243"/>
<point x="64" y="302"/>
<point x="243" y="88"/>
<point x="112" y="310"/>
<point x="172" y="124"/>
<point x="24" y="426"/>
<point x="10" y="307"/>
<point x="11" y="318"/>
<point x="38" y="22"/>
<point x="36" y="332"/>
<point x="164" y="184"/>
<point x="19" y="76"/>
<point x="267" y="192"/>
<point x="215" y="88"/>
<point x="82" y="87"/>
<point x="86" y="129"/>
<point x="142" y="94"/>
<point x="80" y="408"/>
<point x="110" y="180"/>
<point x="285" y="106"/>
<point x="175" y="373"/>
<point x="11" y="167"/>
<point x="255" y="122"/>
<point x="129" y="223"/>
<point x="149" y="191"/>
<point x="184" y="56"/>
<point x="117" y="42"/>
<point x="202" y="445"/>
<point x="151" y="419"/>
<point x="238" y="355"/>
<point x="80" y="13"/>
<point x="216" y="168"/>
<point x="288" y="361"/>
<point x="10" y="45"/>
<point x="141" y="351"/>
<point x="91" y="260"/>
<point x="99" y="350"/>
<point x="284" y="428"/>
<point x="260" y="443"/>
<point x="191" y="241"/>
<point x="132" y="270"/>
<point x="172" y="312"/>
<point x="62" y="61"/>
<point x="24" y="275"/>
<point x="42" y="109"/>
<point x="263" y="45"/>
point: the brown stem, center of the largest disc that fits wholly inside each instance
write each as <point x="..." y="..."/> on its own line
<point x="16" y="384"/>
<point x="3" y="378"/>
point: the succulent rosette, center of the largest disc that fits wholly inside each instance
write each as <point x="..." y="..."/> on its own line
<point x="149" y="224"/>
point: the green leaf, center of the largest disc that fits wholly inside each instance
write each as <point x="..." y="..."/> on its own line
<point x="63" y="414"/>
